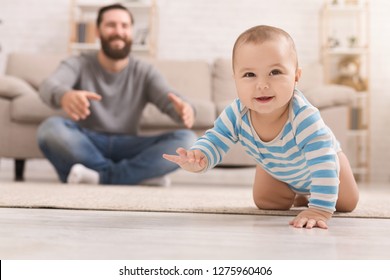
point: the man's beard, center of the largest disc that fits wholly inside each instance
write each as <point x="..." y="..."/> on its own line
<point x="115" y="54"/>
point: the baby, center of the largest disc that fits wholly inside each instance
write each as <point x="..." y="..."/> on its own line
<point x="300" y="162"/>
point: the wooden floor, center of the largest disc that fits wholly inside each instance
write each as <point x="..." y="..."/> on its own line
<point x="69" y="234"/>
<point x="75" y="234"/>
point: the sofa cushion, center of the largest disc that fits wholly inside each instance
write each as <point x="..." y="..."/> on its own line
<point x="32" y="67"/>
<point x="205" y="116"/>
<point x="191" y="78"/>
<point x="11" y="87"/>
<point x="330" y="95"/>
<point x="224" y="87"/>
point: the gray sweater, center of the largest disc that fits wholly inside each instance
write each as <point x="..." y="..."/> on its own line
<point x="124" y="94"/>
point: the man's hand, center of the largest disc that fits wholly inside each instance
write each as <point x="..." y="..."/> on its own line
<point x="76" y="103"/>
<point x="184" y="109"/>
<point x="311" y="218"/>
<point x="190" y="160"/>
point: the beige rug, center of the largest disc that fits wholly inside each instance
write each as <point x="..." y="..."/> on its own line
<point x="374" y="203"/>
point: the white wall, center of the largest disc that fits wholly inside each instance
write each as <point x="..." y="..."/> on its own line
<point x="206" y="29"/>
<point x="33" y="25"/>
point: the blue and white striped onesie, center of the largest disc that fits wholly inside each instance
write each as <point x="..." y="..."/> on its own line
<point x="303" y="155"/>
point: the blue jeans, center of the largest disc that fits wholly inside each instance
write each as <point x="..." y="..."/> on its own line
<point x="119" y="159"/>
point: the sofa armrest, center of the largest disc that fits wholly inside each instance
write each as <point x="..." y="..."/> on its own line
<point x="330" y="95"/>
<point x="12" y="87"/>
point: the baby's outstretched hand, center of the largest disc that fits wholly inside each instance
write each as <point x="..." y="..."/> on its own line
<point x="311" y="218"/>
<point x="190" y="160"/>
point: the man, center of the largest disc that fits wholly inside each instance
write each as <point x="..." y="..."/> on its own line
<point x="104" y="94"/>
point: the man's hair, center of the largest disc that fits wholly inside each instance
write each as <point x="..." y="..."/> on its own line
<point x="104" y="9"/>
<point x="261" y="33"/>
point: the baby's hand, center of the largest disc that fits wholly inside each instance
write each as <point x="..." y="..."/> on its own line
<point x="311" y="218"/>
<point x="190" y="160"/>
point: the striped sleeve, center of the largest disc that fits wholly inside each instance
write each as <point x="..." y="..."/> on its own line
<point x="217" y="141"/>
<point x="317" y="142"/>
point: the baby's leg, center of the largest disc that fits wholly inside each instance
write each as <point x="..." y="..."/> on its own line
<point x="301" y="200"/>
<point x="270" y="193"/>
<point x="348" y="190"/>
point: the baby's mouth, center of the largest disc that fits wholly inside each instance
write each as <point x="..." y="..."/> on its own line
<point x="264" y="99"/>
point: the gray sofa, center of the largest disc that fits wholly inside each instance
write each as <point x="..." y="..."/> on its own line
<point x="208" y="85"/>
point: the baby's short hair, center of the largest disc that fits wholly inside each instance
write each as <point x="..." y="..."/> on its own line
<point x="260" y="34"/>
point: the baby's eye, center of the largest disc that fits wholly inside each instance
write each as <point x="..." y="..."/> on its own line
<point x="275" y="72"/>
<point x="249" y="74"/>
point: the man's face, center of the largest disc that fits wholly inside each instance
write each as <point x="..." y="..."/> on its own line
<point x="115" y="32"/>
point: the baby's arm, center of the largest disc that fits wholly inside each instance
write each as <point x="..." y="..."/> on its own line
<point x="322" y="162"/>
<point x="319" y="146"/>
<point x="190" y="160"/>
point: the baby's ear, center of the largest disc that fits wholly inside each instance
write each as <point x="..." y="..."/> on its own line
<point x="298" y="74"/>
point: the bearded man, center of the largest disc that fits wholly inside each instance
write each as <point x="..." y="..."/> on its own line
<point x="104" y="93"/>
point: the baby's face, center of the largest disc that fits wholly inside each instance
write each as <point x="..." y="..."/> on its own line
<point x="265" y="75"/>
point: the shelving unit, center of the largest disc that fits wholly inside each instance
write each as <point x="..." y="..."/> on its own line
<point x="83" y="16"/>
<point x="345" y="45"/>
